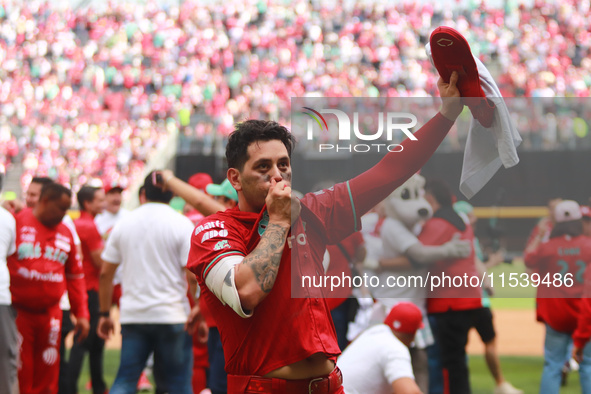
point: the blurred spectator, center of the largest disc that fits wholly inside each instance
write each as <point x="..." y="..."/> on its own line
<point x="91" y="201"/>
<point x="559" y="304"/>
<point x="105" y="220"/>
<point x="8" y="332"/>
<point x="151" y="243"/>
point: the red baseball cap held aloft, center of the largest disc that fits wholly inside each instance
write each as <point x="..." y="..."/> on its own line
<point x="451" y="52"/>
<point x="405" y="317"/>
<point x="200" y="180"/>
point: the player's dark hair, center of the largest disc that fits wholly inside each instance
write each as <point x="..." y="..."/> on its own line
<point x="574" y="228"/>
<point x="54" y="191"/>
<point x="440" y="191"/>
<point x="86" y="194"/>
<point x="252" y="130"/>
<point x="155" y="193"/>
<point x="42" y="180"/>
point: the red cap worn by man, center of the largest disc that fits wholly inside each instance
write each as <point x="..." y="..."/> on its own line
<point x="199" y="181"/>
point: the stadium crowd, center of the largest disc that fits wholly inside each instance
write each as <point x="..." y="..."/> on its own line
<point x="86" y="93"/>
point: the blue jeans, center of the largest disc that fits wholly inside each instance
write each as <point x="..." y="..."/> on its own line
<point x="218" y="379"/>
<point x="434" y="357"/>
<point x="585" y="370"/>
<point x="173" y="358"/>
<point x="557" y="351"/>
<point x="340" y="319"/>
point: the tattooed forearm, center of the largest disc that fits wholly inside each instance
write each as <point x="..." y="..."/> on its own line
<point x="265" y="258"/>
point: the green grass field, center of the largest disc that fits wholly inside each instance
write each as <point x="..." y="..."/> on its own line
<point x="523" y="372"/>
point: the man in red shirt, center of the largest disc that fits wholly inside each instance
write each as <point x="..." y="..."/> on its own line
<point x="561" y="262"/>
<point x="277" y="335"/>
<point x="452" y="310"/>
<point x="581" y="345"/>
<point x="91" y="201"/>
<point x="46" y="262"/>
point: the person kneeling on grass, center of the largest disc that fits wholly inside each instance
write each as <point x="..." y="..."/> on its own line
<point x="378" y="360"/>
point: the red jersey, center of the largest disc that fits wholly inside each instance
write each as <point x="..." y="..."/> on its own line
<point x="582" y="333"/>
<point x="45" y="263"/>
<point x="558" y="306"/>
<point x="339" y="265"/>
<point x="304" y="321"/>
<point x="286" y="327"/>
<point x="437" y="231"/>
<point x="91" y="241"/>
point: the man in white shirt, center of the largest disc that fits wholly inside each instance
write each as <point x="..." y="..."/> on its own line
<point x="151" y="244"/>
<point x="8" y="332"/>
<point x="106" y="220"/>
<point x="378" y="360"/>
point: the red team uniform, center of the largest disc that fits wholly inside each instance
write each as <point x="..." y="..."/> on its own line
<point x="558" y="306"/>
<point x="43" y="267"/>
<point x="438" y="231"/>
<point x="253" y="337"/>
<point x="293" y="322"/>
<point x="340" y="265"/>
<point x="454" y="308"/>
<point x="91" y="240"/>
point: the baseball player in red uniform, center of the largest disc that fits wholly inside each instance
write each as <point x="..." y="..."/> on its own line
<point x="277" y="335"/>
<point x="453" y="309"/>
<point x="91" y="201"/>
<point x="561" y="262"/>
<point x="581" y="345"/>
<point x="45" y="263"/>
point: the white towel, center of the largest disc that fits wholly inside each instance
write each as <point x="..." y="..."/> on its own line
<point x="487" y="148"/>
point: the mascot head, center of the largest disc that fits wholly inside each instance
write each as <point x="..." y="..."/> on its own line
<point x="408" y="204"/>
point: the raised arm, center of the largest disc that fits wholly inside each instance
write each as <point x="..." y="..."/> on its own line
<point x="374" y="185"/>
<point x="454" y="249"/>
<point x="255" y="276"/>
<point x="193" y="196"/>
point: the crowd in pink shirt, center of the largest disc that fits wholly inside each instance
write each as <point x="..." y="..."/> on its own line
<point x="92" y="94"/>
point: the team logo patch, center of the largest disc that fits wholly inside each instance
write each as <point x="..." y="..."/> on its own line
<point x="445" y="42"/>
<point x="221" y="245"/>
<point x="50" y="356"/>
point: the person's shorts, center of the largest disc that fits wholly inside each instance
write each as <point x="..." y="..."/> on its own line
<point x="483" y="323"/>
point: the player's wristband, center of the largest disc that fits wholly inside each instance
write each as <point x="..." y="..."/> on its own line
<point x="104" y="314"/>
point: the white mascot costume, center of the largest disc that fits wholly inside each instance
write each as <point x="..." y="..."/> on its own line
<point x="402" y="214"/>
